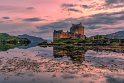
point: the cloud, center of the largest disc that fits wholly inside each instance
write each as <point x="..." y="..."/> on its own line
<point x="97" y="20"/>
<point x="14" y="27"/>
<point x="33" y="19"/>
<point x="55" y="25"/>
<point x="74" y="10"/>
<point x="6" y="17"/>
<point x="15" y="9"/>
<point x="68" y="5"/>
<point x="93" y="22"/>
<point x="30" y="8"/>
<point x="105" y="18"/>
<point x="85" y="6"/>
<point x="114" y="1"/>
<point x="115" y="28"/>
<point x="71" y="7"/>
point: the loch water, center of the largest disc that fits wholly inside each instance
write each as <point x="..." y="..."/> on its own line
<point x="60" y="65"/>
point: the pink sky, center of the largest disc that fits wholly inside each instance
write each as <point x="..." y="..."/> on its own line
<point x="23" y="16"/>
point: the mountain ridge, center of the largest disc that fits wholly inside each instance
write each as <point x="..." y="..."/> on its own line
<point x="119" y="34"/>
<point x="31" y="38"/>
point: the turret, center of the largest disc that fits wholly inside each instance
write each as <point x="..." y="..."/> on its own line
<point x="77" y="29"/>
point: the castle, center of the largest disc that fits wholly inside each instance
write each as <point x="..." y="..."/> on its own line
<point x="76" y="32"/>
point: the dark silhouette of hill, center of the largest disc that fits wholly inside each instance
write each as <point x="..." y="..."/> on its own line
<point x="119" y="34"/>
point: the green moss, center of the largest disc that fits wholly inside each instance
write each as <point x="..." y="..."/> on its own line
<point x="72" y="41"/>
<point x="115" y="43"/>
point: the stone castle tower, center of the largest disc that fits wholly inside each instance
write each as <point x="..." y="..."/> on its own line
<point x="77" y="29"/>
<point x="76" y="32"/>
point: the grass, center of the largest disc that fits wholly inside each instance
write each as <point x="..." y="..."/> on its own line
<point x="71" y="41"/>
<point x="5" y="38"/>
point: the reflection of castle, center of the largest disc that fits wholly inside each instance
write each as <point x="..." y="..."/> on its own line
<point x="76" y="32"/>
<point x="76" y="56"/>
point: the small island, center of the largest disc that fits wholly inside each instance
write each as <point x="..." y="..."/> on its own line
<point x="76" y="37"/>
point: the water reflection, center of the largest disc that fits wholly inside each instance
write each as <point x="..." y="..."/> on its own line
<point x="76" y="54"/>
<point x="41" y="65"/>
<point x="5" y="47"/>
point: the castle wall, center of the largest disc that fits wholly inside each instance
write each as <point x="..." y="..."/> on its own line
<point x="59" y="35"/>
<point x="76" y="32"/>
<point x="65" y="35"/>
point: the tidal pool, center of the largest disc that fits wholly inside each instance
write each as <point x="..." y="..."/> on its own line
<point x="60" y="65"/>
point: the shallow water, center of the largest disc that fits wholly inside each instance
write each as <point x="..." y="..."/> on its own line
<point x="50" y="65"/>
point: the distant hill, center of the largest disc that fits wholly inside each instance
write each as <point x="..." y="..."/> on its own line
<point x="6" y="38"/>
<point x="12" y="41"/>
<point x="119" y="34"/>
<point x="3" y="35"/>
<point x="34" y="40"/>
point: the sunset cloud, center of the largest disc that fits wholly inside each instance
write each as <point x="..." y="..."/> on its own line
<point x="33" y="19"/>
<point x="74" y="10"/>
<point x="114" y="1"/>
<point x="30" y="8"/>
<point x="6" y="17"/>
<point x="68" y="5"/>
